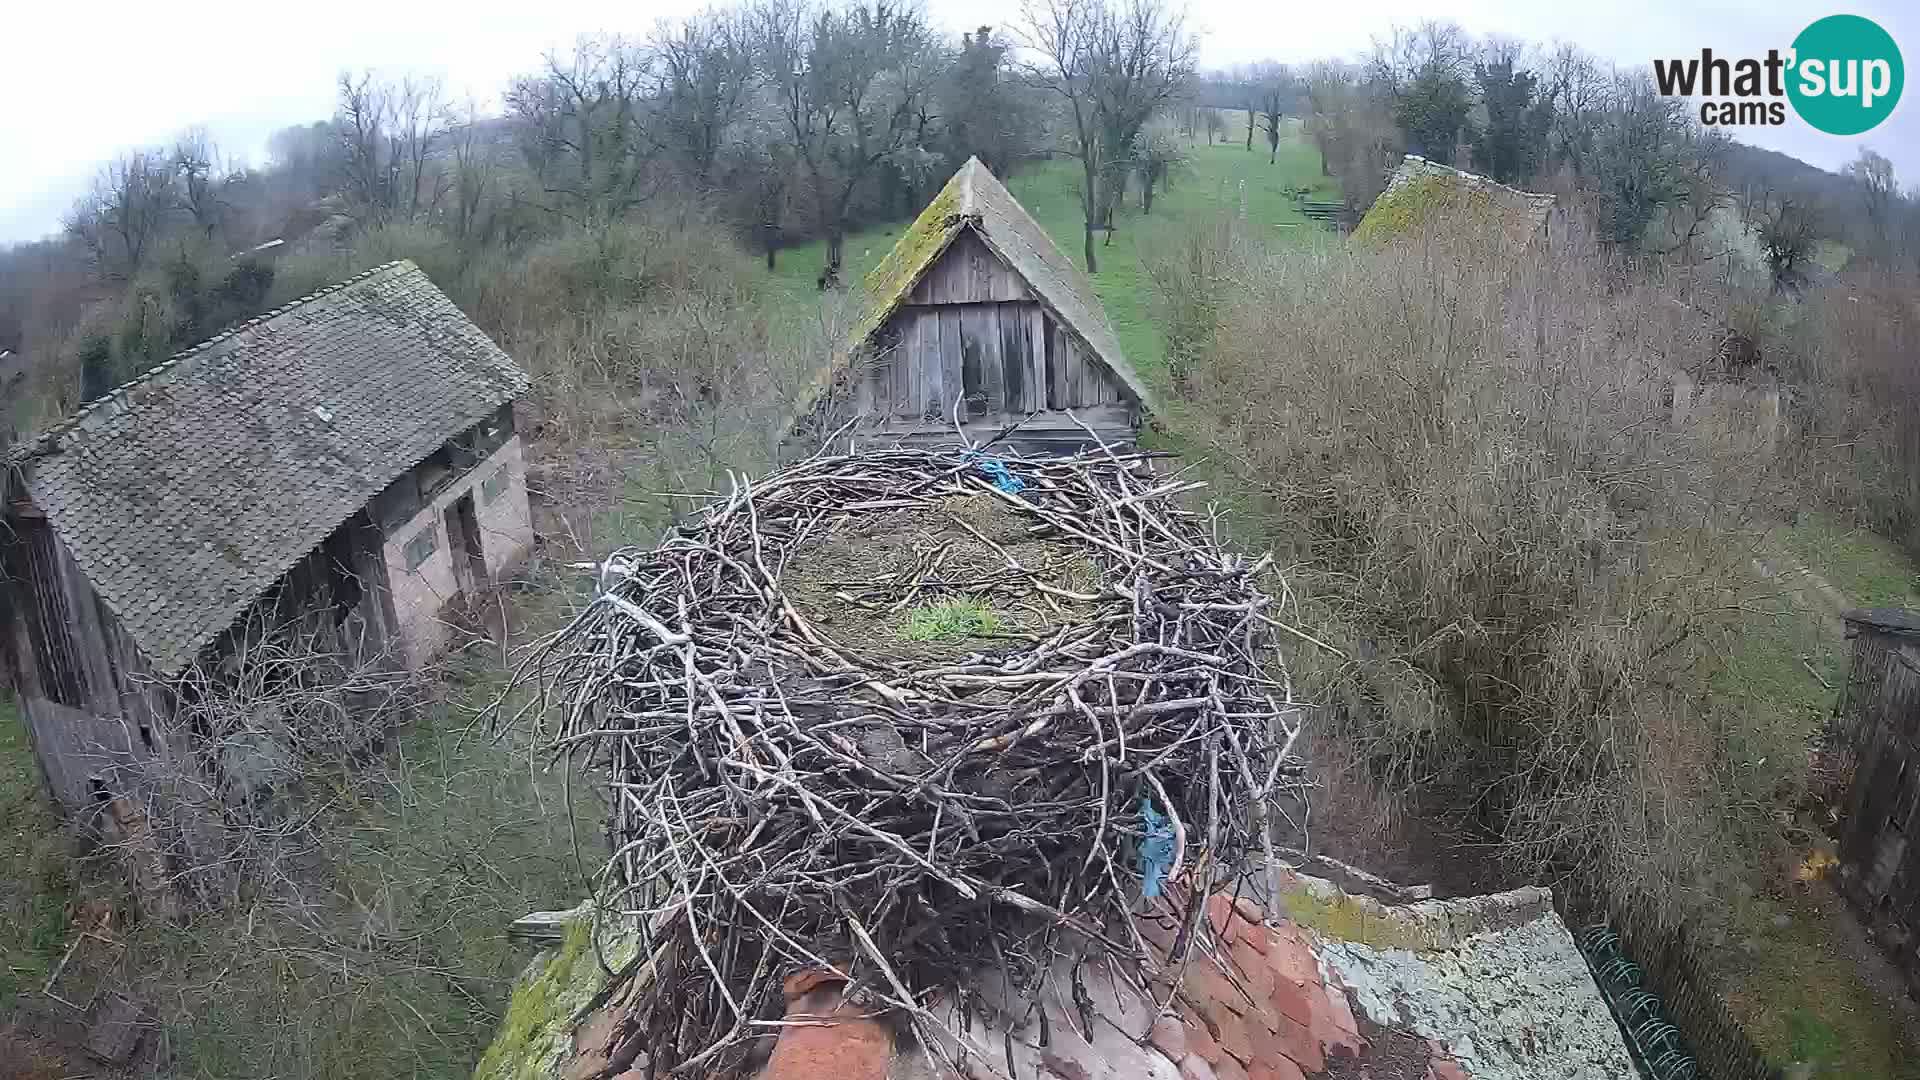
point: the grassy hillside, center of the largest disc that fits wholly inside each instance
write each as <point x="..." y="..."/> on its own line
<point x="1218" y="181"/>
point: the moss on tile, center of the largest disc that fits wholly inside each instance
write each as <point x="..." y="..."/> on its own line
<point x="1351" y="918"/>
<point x="538" y="1028"/>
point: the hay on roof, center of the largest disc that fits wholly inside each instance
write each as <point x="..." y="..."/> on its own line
<point x="792" y="787"/>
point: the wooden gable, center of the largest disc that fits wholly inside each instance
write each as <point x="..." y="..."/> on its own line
<point x="972" y="328"/>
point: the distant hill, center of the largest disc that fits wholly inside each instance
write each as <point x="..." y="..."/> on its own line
<point x="1758" y="169"/>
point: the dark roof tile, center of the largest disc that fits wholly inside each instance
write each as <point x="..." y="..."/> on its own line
<point x="186" y="493"/>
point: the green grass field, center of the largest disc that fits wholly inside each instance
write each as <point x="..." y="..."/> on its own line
<point x="1216" y="182"/>
<point x="1871" y="570"/>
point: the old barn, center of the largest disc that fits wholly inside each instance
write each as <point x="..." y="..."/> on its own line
<point x="1880" y="726"/>
<point x="978" y="320"/>
<point x="346" y="464"/>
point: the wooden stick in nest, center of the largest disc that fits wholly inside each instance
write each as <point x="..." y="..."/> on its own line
<point x="782" y="799"/>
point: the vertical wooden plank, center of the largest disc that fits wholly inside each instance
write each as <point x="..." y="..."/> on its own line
<point x="1050" y="346"/>
<point x="927" y="335"/>
<point x="901" y="370"/>
<point x="864" y="402"/>
<point x="1016" y="356"/>
<point x="983" y="339"/>
<point x="1069" y="367"/>
<point x="1037" y="356"/>
<point x="972" y="379"/>
<point x="946" y="378"/>
<point x="984" y="264"/>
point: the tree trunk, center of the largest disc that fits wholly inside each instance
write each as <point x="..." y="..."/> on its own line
<point x="1093" y="266"/>
<point x="773" y="244"/>
<point x="1249" y="129"/>
<point x="836" y="245"/>
<point x="1146" y="194"/>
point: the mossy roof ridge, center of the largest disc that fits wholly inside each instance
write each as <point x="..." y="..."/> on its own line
<point x="1419" y="187"/>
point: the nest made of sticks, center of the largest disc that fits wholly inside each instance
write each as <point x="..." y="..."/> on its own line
<point x="784" y="799"/>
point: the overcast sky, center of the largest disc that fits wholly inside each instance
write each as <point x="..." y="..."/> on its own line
<point x="82" y="81"/>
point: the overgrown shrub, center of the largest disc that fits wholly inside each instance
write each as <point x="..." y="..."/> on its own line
<point x="1472" y="464"/>
<point x="1190" y="267"/>
<point x="1853" y="355"/>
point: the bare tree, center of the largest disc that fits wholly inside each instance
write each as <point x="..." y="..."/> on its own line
<point x="475" y="172"/>
<point x="420" y="121"/>
<point x="1158" y="156"/>
<point x="849" y="85"/>
<point x="1789" y="236"/>
<point x="195" y="160"/>
<point x="360" y="121"/>
<point x="1351" y="122"/>
<point x="1424" y="70"/>
<point x="1579" y="87"/>
<point x="582" y="129"/>
<point x="1653" y="166"/>
<point x="1879" y="195"/>
<point x="1112" y="67"/>
<point x="390" y="133"/>
<point x="134" y="200"/>
<point x="706" y="82"/>
<point x="1273" y="94"/>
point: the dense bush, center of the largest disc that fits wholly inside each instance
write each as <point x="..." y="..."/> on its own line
<point x="1853" y="353"/>
<point x="1472" y="465"/>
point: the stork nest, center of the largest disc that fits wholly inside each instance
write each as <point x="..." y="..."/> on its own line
<point x="784" y="796"/>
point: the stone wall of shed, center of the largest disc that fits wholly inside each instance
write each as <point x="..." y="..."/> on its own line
<point x="506" y="515"/>
<point x="422" y="594"/>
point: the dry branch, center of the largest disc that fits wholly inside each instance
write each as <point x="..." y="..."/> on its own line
<point x="780" y="797"/>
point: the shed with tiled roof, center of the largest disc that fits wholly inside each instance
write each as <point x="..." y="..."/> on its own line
<point x="345" y="464"/>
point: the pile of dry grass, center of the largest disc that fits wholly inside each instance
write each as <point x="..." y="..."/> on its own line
<point x="789" y="794"/>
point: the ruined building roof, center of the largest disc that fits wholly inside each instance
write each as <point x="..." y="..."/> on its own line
<point x="184" y="494"/>
<point x="975" y="199"/>
<point x="1420" y="189"/>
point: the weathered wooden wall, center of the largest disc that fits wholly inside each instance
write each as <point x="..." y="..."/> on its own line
<point x="972" y="330"/>
<point x="88" y="711"/>
<point x="1880" y="724"/>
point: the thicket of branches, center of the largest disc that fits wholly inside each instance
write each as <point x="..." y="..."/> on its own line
<point x="1475" y="467"/>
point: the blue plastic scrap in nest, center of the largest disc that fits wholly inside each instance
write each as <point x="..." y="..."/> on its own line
<point x="996" y="470"/>
<point x="1156" y="848"/>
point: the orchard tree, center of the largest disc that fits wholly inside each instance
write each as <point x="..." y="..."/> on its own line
<point x="1112" y="66"/>
<point x="706" y="79"/>
<point x="1275" y="93"/>
<point x="581" y="127"/>
<point x="1158" y="156"/>
<point x="850" y="85"/>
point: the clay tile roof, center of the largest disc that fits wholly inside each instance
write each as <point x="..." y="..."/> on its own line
<point x="976" y="199"/>
<point x="184" y="494"/>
